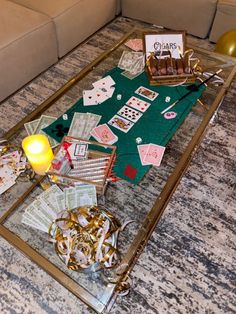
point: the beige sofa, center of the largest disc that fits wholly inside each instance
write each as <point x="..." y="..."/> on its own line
<point x="198" y="17"/>
<point x="35" y="33"/>
<point x="225" y="19"/>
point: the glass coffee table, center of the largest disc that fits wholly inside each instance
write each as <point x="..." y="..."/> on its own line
<point x="143" y="203"/>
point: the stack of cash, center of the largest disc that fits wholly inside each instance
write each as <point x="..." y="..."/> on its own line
<point x="45" y="209"/>
<point x="37" y="126"/>
<point x="132" y="62"/>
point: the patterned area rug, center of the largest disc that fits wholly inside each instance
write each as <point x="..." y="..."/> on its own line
<point x="188" y="265"/>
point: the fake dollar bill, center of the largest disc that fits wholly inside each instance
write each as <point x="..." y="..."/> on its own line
<point x="48" y="205"/>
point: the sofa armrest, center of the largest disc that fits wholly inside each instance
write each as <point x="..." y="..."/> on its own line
<point x="225" y="19"/>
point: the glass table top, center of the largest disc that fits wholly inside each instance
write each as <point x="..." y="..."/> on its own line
<point x="143" y="203"/>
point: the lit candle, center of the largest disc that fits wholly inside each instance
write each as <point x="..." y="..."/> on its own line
<point x="38" y="151"/>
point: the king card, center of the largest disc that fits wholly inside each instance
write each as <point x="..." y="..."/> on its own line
<point x="129" y="113"/>
<point x="146" y="93"/>
<point x="138" y="104"/>
<point x="121" y="123"/>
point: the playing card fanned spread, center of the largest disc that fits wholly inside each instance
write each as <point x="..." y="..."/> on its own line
<point x="151" y="154"/>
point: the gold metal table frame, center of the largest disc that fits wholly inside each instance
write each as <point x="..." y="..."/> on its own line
<point x="104" y="303"/>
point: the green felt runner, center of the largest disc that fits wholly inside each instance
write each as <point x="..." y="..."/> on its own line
<point x="152" y="127"/>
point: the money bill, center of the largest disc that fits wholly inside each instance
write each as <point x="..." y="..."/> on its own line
<point x="60" y="201"/>
<point x="93" y="120"/>
<point x="32" y="224"/>
<point x="49" y="196"/>
<point x="43" y="122"/>
<point x="86" y="195"/>
<point x="128" y="60"/>
<point x="30" y="215"/>
<point x="78" y="125"/>
<point x="36" y="126"/>
<point x="31" y="126"/>
<point x="70" y="198"/>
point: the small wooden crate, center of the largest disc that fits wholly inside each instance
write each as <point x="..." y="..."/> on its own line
<point x="172" y="43"/>
<point x="96" y="152"/>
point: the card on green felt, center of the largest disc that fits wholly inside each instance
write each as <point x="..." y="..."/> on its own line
<point x="151" y="127"/>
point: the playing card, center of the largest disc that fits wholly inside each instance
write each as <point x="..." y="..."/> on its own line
<point x="104" y="134"/>
<point x="90" y="97"/>
<point x="5" y="184"/>
<point x="135" y="44"/>
<point x="129" y="113"/>
<point x="146" y="93"/>
<point x="108" y="91"/>
<point x="142" y="150"/>
<point x="138" y="104"/>
<point x="154" y="154"/>
<point x="106" y="81"/>
<point x="121" y="123"/>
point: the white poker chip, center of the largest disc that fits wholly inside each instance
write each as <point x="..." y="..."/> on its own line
<point x="118" y="97"/>
<point x="167" y="99"/>
<point x="138" y="140"/>
<point x="65" y="117"/>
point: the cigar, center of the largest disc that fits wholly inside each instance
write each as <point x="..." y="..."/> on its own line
<point x="152" y="66"/>
<point x="162" y="67"/>
<point x="174" y="66"/>
<point x="169" y="66"/>
<point x="179" y="66"/>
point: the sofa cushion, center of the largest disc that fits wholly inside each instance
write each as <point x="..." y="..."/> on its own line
<point x="27" y="46"/>
<point x="74" y="20"/>
<point x="194" y="16"/>
<point x="225" y="19"/>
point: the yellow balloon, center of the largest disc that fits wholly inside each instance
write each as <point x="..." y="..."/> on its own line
<point x="226" y="44"/>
